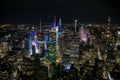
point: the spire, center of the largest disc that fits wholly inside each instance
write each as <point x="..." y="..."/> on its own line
<point x="54" y="21"/>
<point x="109" y="20"/>
<point x="40" y="26"/>
<point x="60" y="22"/>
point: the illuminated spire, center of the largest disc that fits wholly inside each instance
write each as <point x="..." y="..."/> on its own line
<point x="54" y="21"/>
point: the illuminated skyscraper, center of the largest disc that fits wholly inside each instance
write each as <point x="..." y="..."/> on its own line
<point x="52" y="51"/>
<point x="33" y="41"/>
<point x="83" y="35"/>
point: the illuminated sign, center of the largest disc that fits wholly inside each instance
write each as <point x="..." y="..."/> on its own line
<point x="33" y="33"/>
<point x="40" y="34"/>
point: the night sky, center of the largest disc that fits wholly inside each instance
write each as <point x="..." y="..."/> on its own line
<point x="30" y="11"/>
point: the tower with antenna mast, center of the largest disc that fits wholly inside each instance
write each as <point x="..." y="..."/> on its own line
<point x="40" y="36"/>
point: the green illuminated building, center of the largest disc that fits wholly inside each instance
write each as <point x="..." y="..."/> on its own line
<point x="52" y="51"/>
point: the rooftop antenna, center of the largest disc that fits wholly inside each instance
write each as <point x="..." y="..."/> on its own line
<point x="54" y="21"/>
<point x="40" y="26"/>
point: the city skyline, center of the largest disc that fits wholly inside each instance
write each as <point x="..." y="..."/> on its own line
<point x="29" y="11"/>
